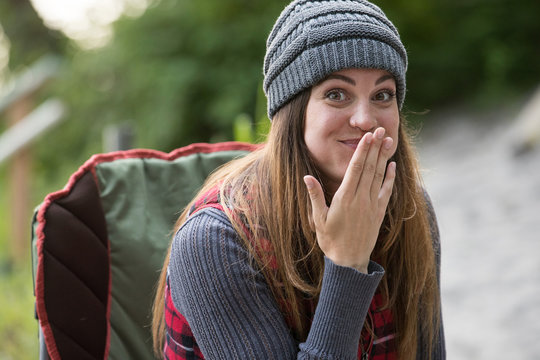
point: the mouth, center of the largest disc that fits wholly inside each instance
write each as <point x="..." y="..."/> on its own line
<point x="352" y="143"/>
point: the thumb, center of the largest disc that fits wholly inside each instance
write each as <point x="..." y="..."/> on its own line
<point x="316" y="195"/>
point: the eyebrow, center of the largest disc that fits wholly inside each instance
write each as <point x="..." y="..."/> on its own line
<point x="341" y="77"/>
<point x="352" y="82"/>
<point x="383" y="79"/>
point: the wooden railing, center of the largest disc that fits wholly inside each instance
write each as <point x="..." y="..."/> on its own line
<point x="26" y="124"/>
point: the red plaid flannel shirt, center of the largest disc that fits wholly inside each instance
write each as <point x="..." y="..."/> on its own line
<point x="180" y="343"/>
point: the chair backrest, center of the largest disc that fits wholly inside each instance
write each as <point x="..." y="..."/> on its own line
<point x="99" y="245"/>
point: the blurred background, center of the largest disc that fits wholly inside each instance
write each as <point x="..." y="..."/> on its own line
<point x="88" y="76"/>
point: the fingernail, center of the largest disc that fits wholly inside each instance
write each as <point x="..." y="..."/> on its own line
<point x="369" y="137"/>
<point x="308" y="183"/>
<point x="380" y="133"/>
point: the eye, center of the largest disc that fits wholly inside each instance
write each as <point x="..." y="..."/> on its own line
<point x="385" y="95"/>
<point x="337" y="95"/>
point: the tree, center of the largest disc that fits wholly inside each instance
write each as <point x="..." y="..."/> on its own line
<point x="29" y="38"/>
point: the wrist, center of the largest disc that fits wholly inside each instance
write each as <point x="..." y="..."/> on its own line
<point x="361" y="266"/>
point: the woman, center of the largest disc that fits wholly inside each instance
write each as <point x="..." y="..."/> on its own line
<point x="322" y="243"/>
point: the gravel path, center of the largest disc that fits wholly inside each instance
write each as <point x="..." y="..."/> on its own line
<point x="488" y="206"/>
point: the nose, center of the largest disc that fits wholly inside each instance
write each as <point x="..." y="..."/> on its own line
<point x="363" y="118"/>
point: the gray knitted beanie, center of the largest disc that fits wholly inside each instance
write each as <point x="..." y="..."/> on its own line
<point x="313" y="38"/>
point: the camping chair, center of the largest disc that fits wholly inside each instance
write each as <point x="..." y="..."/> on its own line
<point x="98" y="246"/>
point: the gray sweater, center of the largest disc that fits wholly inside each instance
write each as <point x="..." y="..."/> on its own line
<point x="233" y="314"/>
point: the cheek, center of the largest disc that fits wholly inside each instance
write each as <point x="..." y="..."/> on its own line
<point x="391" y="125"/>
<point x="318" y="137"/>
<point x="396" y="141"/>
<point x="314" y="140"/>
<point x="315" y="130"/>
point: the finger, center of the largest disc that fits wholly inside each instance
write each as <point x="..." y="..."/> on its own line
<point x="356" y="165"/>
<point x="311" y="223"/>
<point x="318" y="202"/>
<point x="386" y="188"/>
<point x="370" y="165"/>
<point x="384" y="155"/>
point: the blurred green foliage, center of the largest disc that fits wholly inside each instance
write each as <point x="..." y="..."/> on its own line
<point x="188" y="71"/>
<point x="18" y="328"/>
<point x="28" y="37"/>
<point x="184" y="70"/>
<point x="471" y="51"/>
<point x="180" y="73"/>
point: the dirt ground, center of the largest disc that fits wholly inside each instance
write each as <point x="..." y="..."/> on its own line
<point x="487" y="200"/>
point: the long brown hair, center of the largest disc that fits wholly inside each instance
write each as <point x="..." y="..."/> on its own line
<point x="277" y="208"/>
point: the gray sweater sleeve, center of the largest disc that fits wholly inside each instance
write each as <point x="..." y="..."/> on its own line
<point x="232" y="312"/>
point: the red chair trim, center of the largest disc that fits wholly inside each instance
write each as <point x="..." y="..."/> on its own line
<point x="90" y="165"/>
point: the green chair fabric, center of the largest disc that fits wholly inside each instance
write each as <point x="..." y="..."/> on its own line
<point x="99" y="245"/>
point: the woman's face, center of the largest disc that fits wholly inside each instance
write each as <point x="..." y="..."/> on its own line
<point x="343" y="108"/>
